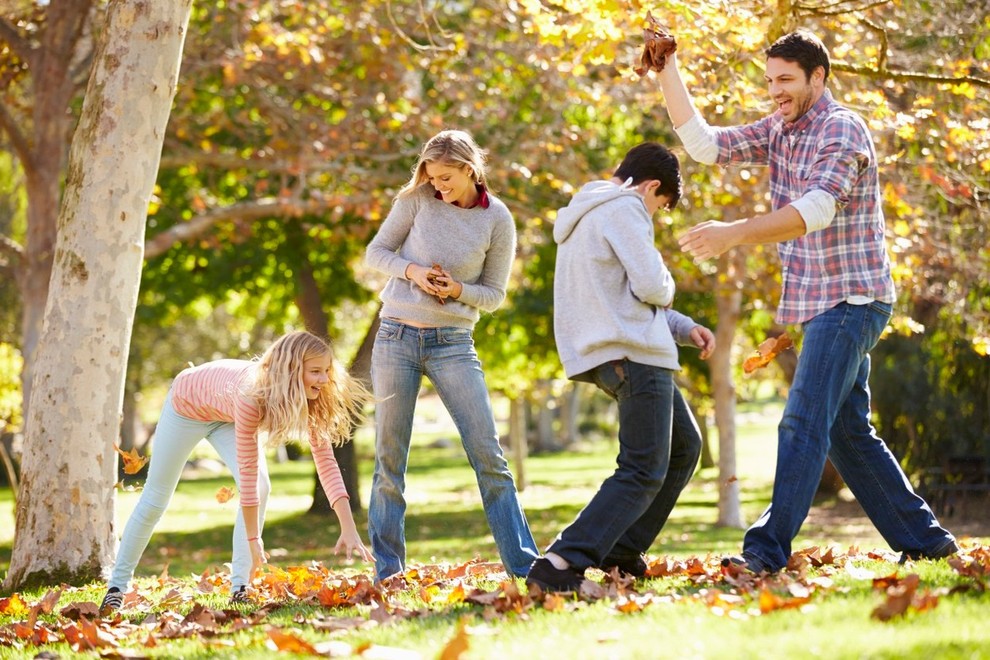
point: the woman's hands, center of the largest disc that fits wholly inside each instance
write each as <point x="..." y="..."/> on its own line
<point x="435" y="281"/>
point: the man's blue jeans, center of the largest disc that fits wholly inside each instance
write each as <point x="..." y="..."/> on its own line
<point x="828" y="414"/>
<point x="659" y="446"/>
<point x="401" y="356"/>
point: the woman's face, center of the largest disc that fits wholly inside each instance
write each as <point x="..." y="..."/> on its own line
<point x="316" y="374"/>
<point x="454" y="183"/>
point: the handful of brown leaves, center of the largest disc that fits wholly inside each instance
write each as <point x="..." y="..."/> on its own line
<point x="432" y="276"/>
<point x="659" y="44"/>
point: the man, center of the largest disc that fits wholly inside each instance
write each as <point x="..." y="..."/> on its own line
<point x="828" y="222"/>
<point x="611" y="289"/>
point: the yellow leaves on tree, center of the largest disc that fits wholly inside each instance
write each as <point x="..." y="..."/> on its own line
<point x="767" y="351"/>
<point x="132" y="461"/>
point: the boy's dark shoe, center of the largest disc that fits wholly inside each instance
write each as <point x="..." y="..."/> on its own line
<point x="240" y="596"/>
<point x="552" y="579"/>
<point x="112" y="601"/>
<point x="634" y="566"/>
<point x="914" y="555"/>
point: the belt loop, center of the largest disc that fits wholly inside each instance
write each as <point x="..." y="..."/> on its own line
<point x="401" y="326"/>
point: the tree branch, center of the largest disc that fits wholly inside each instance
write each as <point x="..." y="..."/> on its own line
<point x="11" y="248"/>
<point x="16" y="42"/>
<point x="21" y="146"/>
<point x="175" y="159"/>
<point x="909" y="76"/>
<point x="262" y="208"/>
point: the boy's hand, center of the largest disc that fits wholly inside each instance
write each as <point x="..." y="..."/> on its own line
<point x="704" y="339"/>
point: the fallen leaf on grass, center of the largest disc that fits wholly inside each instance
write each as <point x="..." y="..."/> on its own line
<point x="132" y="461"/>
<point x="903" y="596"/>
<point x="767" y="351"/>
<point x="288" y="643"/>
<point x="458" y="645"/>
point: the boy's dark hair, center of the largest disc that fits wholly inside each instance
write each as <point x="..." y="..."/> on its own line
<point x="650" y="160"/>
<point x="804" y="48"/>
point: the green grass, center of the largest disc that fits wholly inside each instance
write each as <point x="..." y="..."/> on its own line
<point x="445" y="523"/>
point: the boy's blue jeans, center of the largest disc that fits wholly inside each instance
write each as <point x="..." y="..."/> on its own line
<point x="659" y="446"/>
<point x="401" y="356"/>
<point x="828" y="414"/>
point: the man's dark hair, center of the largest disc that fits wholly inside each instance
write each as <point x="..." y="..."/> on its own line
<point x="804" y="48"/>
<point x="650" y="160"/>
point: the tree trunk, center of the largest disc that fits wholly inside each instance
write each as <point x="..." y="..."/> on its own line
<point x="728" y="299"/>
<point x="64" y="528"/>
<point x="43" y="158"/>
<point x="517" y="437"/>
<point x="569" y="406"/>
<point x="346" y="454"/>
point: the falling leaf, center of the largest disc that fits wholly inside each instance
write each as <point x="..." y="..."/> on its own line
<point x="767" y="351"/>
<point x="132" y="461"/>
<point x="225" y="494"/>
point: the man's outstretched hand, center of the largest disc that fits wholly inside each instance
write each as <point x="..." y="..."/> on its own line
<point x="659" y="44"/>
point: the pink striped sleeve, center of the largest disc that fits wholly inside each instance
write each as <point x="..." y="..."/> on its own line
<point x="328" y="472"/>
<point x="246" y="419"/>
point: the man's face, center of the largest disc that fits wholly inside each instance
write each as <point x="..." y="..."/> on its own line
<point x="793" y="91"/>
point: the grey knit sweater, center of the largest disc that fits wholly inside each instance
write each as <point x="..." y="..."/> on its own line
<point x="611" y="286"/>
<point x="475" y="245"/>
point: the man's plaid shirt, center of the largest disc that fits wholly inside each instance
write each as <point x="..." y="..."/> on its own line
<point x="829" y="148"/>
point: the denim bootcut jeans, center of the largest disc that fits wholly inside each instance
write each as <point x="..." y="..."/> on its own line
<point x="828" y="414"/>
<point x="659" y="446"/>
<point x="402" y="354"/>
<point x="175" y="438"/>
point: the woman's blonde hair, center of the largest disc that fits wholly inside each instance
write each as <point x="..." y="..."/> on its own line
<point x="454" y="148"/>
<point x="280" y="394"/>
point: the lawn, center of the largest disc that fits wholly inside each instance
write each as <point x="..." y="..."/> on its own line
<point x="691" y="612"/>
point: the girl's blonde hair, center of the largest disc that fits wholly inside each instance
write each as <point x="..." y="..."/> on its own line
<point x="286" y="412"/>
<point x="454" y="148"/>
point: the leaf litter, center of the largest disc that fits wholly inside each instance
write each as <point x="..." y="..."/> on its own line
<point x="166" y="608"/>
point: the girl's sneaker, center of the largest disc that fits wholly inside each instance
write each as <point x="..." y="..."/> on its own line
<point x="239" y="596"/>
<point x="112" y="601"/>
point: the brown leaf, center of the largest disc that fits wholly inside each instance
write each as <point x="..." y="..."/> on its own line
<point x="767" y="351"/>
<point x="132" y="461"/>
<point x="84" y="610"/>
<point x="898" y="600"/>
<point x="659" y="44"/>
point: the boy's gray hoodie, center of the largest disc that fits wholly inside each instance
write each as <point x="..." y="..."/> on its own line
<point x="611" y="286"/>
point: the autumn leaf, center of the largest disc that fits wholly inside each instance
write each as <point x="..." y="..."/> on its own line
<point x="225" y="494"/>
<point x="13" y="606"/>
<point x="458" y="645"/>
<point x="767" y="351"/>
<point x="289" y="643"/>
<point x="132" y="461"/>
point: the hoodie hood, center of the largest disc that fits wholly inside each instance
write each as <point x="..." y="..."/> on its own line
<point x="591" y="196"/>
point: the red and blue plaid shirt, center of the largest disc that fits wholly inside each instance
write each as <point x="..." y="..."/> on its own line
<point x="829" y="148"/>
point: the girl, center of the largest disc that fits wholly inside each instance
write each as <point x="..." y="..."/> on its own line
<point x="448" y="244"/>
<point x="295" y="389"/>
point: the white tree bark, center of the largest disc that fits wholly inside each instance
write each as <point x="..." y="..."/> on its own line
<point x="64" y="529"/>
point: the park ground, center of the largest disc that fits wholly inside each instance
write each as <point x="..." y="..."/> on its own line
<point x="845" y="598"/>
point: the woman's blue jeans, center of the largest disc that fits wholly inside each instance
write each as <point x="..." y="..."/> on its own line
<point x="659" y="446"/>
<point x="175" y="438"/>
<point x="401" y="356"/>
<point x="828" y="414"/>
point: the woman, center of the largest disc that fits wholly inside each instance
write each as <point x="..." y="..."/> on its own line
<point x="448" y="245"/>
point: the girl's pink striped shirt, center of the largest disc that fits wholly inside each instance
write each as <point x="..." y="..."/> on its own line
<point x="213" y="392"/>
